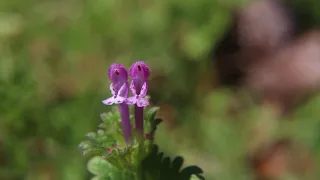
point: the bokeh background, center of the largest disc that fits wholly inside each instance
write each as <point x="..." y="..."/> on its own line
<point x="54" y="56"/>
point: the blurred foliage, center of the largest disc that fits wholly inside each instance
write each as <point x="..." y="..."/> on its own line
<point x="53" y="61"/>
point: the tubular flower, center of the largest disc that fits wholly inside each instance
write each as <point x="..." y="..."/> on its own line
<point x="119" y="84"/>
<point x="119" y="88"/>
<point x="139" y="73"/>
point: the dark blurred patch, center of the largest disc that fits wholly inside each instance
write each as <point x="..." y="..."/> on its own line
<point x="169" y="114"/>
<point x="289" y="76"/>
<point x="43" y="170"/>
<point x="268" y="49"/>
<point x="257" y="29"/>
<point x="282" y="157"/>
<point x="2" y="155"/>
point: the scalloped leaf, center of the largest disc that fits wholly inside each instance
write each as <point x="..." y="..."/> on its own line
<point x="187" y="172"/>
<point x="158" y="167"/>
<point x="177" y="163"/>
<point x="98" y="166"/>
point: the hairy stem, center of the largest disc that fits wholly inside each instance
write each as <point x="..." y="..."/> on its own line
<point x="125" y="121"/>
<point x="138" y="115"/>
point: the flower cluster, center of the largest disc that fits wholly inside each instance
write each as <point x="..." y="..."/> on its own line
<point x="138" y="159"/>
<point x="119" y="87"/>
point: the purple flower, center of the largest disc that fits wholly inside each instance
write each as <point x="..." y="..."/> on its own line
<point x="138" y="99"/>
<point x="119" y="88"/>
<point x="119" y="85"/>
<point x="139" y="73"/>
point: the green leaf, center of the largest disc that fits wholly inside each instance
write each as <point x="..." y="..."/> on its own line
<point x="197" y="177"/>
<point x="157" y="167"/>
<point x="93" y="151"/>
<point x="99" y="166"/>
<point x="177" y="163"/>
<point x="100" y="132"/>
<point x="91" y="135"/>
<point x="152" y="113"/>
<point x="106" y="116"/>
<point x="85" y="145"/>
<point x="101" y="178"/>
<point x="187" y="172"/>
<point x="154" y="125"/>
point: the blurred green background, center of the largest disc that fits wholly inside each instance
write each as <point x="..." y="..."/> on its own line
<point x="54" y="56"/>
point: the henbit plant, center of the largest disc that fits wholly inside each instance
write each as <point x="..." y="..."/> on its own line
<point x="120" y="152"/>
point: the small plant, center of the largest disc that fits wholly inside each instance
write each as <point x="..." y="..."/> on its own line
<point x="121" y="152"/>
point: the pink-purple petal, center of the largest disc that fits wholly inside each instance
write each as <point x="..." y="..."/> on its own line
<point x="108" y="101"/>
<point x="132" y="88"/>
<point x="142" y="102"/>
<point x="144" y="90"/>
<point x="123" y="91"/>
<point x="119" y="100"/>
<point x="131" y="100"/>
<point x="113" y="92"/>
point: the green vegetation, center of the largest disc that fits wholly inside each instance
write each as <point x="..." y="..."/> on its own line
<point x="54" y="57"/>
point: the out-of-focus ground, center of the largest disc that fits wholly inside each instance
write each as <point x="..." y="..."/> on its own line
<point x="237" y="83"/>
